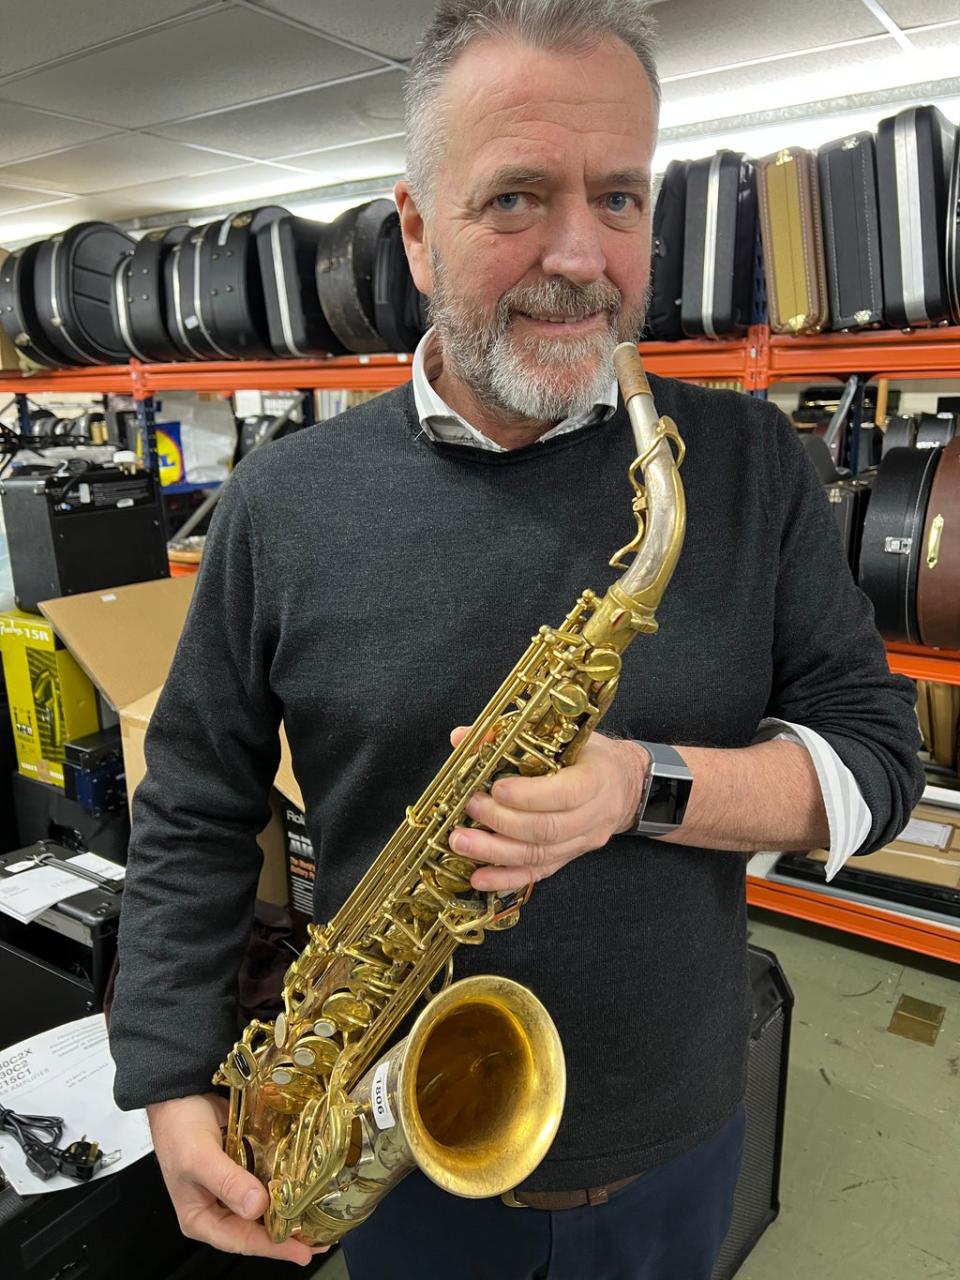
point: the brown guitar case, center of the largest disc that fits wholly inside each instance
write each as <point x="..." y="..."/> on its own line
<point x="938" y="579"/>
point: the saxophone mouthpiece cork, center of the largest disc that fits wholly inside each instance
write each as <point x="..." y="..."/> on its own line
<point x="630" y="371"/>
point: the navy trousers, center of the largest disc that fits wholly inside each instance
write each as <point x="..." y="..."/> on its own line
<point x="668" y="1225"/>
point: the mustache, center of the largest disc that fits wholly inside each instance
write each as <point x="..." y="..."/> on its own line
<point x="558" y="297"/>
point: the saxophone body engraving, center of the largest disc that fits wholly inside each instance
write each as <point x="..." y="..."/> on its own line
<point x="319" y="1111"/>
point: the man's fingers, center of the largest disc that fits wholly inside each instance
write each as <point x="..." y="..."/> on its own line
<point x="458" y="734"/>
<point x="214" y="1171"/>
<point x="487" y="846"/>
<point x="505" y="879"/>
<point x="552" y="827"/>
<point x="552" y="793"/>
<point x="224" y="1230"/>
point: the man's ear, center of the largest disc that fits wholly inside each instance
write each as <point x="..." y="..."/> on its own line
<point x="414" y="238"/>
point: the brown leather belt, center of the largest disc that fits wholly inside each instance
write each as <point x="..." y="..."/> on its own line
<point x="555" y="1200"/>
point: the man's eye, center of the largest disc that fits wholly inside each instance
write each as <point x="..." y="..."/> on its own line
<point x="508" y="202"/>
<point x="618" y="201"/>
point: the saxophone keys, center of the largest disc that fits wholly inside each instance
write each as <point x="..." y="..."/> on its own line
<point x="324" y="1027"/>
<point x="347" y="1011"/>
<point x="602" y="664"/>
<point x="453" y="873"/>
<point x="315" y="1053"/>
<point x="569" y="700"/>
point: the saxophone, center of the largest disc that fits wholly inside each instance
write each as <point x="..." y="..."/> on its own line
<point x="473" y="1095"/>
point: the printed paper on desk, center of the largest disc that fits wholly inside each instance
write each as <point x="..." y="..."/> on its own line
<point x="68" y="1072"/>
<point x="28" y="894"/>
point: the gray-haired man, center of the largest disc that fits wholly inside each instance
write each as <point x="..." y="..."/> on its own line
<point x="372" y="580"/>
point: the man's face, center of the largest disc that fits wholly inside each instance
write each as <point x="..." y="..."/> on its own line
<point x="538" y="243"/>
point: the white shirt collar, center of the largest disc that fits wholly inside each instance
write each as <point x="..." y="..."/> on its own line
<point x="439" y="422"/>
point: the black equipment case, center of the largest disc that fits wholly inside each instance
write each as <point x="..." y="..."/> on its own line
<point x="757" y="1198"/>
<point x="720" y="228"/>
<point x="666" y="271"/>
<point x="81" y="528"/>
<point x="18" y="308"/>
<point x="229" y="284"/>
<point x="396" y="299"/>
<point x="953" y="236"/>
<point x="288" y="249"/>
<point x="851" y="231"/>
<point x="180" y="308"/>
<point x="74" y="292"/>
<point x="915" y="152"/>
<point x="893" y="537"/>
<point x="345" y="270"/>
<point x="849" y="500"/>
<point x="141" y="299"/>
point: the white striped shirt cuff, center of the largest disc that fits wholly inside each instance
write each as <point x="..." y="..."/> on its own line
<point x="847" y="813"/>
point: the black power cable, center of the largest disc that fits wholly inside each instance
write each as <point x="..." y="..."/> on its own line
<point x="39" y="1137"/>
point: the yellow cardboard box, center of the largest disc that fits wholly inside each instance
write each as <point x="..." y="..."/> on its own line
<point x="51" y="700"/>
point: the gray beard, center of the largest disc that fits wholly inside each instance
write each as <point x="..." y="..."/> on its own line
<point x="517" y="376"/>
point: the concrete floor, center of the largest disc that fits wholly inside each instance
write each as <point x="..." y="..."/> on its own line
<point x="870" y="1188"/>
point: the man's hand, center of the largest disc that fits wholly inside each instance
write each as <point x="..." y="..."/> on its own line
<point x="216" y="1201"/>
<point x="538" y="825"/>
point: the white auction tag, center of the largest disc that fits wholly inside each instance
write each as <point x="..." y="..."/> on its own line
<point x="382" y="1113"/>
<point x="935" y="835"/>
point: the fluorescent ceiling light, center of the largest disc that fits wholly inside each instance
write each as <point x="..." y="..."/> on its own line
<point x="695" y="102"/>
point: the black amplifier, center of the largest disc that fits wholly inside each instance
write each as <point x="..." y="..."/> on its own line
<point x="81" y="527"/>
<point x="55" y="968"/>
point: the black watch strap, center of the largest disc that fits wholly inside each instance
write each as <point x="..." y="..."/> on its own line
<point x="666" y="792"/>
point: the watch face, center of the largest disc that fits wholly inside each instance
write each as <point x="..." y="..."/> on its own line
<point x="667" y="800"/>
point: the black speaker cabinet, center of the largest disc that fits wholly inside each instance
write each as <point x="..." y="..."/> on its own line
<point x="83" y="529"/>
<point x="757" y="1200"/>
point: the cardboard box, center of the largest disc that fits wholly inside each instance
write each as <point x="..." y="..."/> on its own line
<point x="51" y="699"/>
<point x="125" y="640"/>
<point x="932" y="858"/>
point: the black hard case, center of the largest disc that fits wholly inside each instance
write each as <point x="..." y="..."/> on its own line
<point x="345" y="270"/>
<point x="233" y="312"/>
<point x="18" y="308"/>
<point x="396" y="299"/>
<point x="666" y="269"/>
<point x="915" y="152"/>
<point x="287" y="248"/>
<point x="851" y="231"/>
<point x="893" y="537"/>
<point x="720" y="226"/>
<point x="953" y="236"/>
<point x="849" y="500"/>
<point x="186" y="318"/>
<point x="74" y="292"/>
<point x="140" y="296"/>
<point x="935" y="430"/>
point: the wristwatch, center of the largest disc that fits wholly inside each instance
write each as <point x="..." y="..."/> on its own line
<point x="666" y="792"/>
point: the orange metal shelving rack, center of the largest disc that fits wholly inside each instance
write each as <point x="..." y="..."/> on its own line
<point x="756" y="361"/>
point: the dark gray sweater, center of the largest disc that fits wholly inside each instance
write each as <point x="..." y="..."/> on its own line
<point x="372" y="589"/>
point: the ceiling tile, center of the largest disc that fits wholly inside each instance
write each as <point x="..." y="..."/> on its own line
<point x="238" y="188"/>
<point x="392" y="29"/>
<point x="70" y="25"/>
<point x="25" y="132"/>
<point x="811" y="78"/>
<point x="229" y="57"/>
<point x="694" y="35"/>
<point x="14" y="198"/>
<point x="114" y="162"/>
<point x="915" y="13"/>
<point x="348" y="164"/>
<point x="349" y="112"/>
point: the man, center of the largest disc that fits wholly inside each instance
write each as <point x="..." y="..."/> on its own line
<point x="371" y="581"/>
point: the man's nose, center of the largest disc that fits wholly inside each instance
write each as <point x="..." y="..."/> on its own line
<point x="571" y="245"/>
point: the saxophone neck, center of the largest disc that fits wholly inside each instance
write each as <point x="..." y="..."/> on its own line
<point x="658" y="505"/>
